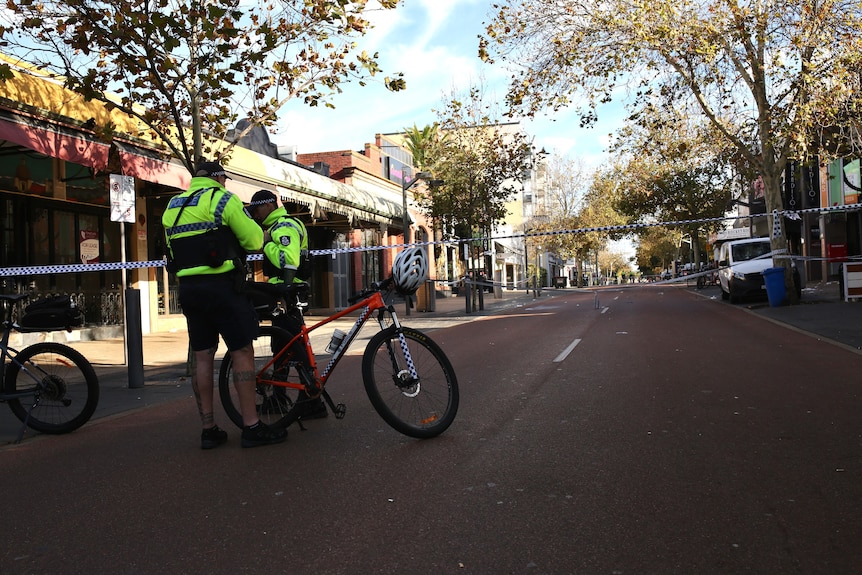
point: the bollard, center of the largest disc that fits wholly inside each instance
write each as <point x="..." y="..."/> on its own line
<point x="134" y="339"/>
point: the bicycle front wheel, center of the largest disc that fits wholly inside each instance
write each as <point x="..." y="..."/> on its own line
<point x="64" y="385"/>
<point x="423" y="406"/>
<point x="272" y="402"/>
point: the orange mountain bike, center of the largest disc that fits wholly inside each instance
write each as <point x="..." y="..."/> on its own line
<point x="407" y="377"/>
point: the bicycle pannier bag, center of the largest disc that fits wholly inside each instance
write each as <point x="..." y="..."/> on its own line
<point x="53" y="313"/>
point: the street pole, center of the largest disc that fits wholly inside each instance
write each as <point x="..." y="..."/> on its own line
<point x="405" y="185"/>
<point x="526" y="261"/>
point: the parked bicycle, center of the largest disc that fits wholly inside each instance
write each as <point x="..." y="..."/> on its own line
<point x="49" y="386"/>
<point x="407" y="377"/>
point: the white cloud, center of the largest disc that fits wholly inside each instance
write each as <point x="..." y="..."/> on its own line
<point x="434" y="43"/>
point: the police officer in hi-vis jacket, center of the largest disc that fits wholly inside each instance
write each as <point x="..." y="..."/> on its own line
<point x="208" y="234"/>
<point x="286" y="260"/>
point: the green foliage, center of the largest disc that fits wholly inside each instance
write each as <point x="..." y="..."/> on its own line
<point x="541" y="278"/>
<point x="418" y="142"/>
<point x="674" y="175"/>
<point x="564" y="181"/>
<point x="199" y="66"/>
<point x="775" y="79"/>
<point x="657" y="248"/>
<point x="481" y="163"/>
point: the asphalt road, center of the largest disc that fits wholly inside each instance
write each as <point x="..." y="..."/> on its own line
<point x="663" y="433"/>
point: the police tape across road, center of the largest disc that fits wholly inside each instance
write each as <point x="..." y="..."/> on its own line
<point x="98" y="267"/>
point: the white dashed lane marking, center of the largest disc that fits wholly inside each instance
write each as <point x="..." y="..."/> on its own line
<point x="565" y="353"/>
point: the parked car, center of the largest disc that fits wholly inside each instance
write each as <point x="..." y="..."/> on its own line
<point x="741" y="264"/>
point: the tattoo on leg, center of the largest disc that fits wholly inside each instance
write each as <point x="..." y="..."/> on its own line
<point x="198" y="398"/>
<point x="207" y="419"/>
<point x="244" y="376"/>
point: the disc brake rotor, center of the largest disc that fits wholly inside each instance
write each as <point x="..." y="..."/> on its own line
<point x="409" y="387"/>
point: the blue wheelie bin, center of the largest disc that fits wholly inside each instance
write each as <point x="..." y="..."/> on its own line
<point x="773" y="278"/>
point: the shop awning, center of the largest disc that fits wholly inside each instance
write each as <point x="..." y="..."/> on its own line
<point x="250" y="172"/>
<point x="312" y="189"/>
<point x="53" y="140"/>
<point x="151" y="166"/>
<point x="245" y="187"/>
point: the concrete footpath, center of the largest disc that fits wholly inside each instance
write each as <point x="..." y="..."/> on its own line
<point x="821" y="314"/>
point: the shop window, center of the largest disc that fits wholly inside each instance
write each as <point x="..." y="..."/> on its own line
<point x="90" y="249"/>
<point x="41" y="236"/>
<point x="110" y="252"/>
<point x="65" y="249"/>
<point x="85" y="187"/>
<point x="9" y="245"/>
<point x="371" y="259"/>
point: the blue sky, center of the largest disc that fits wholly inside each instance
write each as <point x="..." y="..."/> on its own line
<point x="435" y="44"/>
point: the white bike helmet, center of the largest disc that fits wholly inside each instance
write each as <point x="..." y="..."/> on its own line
<point x="409" y="270"/>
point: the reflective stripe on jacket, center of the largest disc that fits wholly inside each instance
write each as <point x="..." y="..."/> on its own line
<point x="289" y="240"/>
<point x="211" y="206"/>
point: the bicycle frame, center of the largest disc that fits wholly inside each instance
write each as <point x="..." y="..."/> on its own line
<point x="369" y="305"/>
<point x="406" y="375"/>
<point x="11" y="354"/>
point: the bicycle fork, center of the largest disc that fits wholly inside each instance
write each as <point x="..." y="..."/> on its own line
<point x="405" y="377"/>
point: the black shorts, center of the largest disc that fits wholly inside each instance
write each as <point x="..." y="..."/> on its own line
<point x="213" y="307"/>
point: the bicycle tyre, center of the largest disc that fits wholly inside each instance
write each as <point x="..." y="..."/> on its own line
<point x="272" y="402"/>
<point x="71" y="391"/>
<point x="422" y="409"/>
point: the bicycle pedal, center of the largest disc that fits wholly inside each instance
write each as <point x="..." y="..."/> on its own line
<point x="339" y="411"/>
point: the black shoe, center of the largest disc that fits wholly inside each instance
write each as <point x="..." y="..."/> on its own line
<point x="315" y="410"/>
<point x="262" y="434"/>
<point x="212" y="437"/>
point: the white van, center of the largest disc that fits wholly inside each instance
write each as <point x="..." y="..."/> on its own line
<point x="741" y="264"/>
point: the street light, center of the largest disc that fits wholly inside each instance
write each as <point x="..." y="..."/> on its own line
<point x="404" y="187"/>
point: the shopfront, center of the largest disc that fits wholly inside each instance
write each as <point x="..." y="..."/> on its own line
<point x="55" y="170"/>
<point x="55" y="212"/>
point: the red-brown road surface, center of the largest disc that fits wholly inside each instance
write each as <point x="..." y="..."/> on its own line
<point x="680" y="435"/>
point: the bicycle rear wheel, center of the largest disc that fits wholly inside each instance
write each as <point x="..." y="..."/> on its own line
<point x="272" y="401"/>
<point x="64" y="384"/>
<point x="423" y="407"/>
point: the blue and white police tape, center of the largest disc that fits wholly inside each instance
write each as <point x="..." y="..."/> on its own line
<point x="96" y="267"/>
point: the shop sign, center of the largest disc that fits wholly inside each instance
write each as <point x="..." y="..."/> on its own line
<point x="89" y="245"/>
<point x="122" y="198"/>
